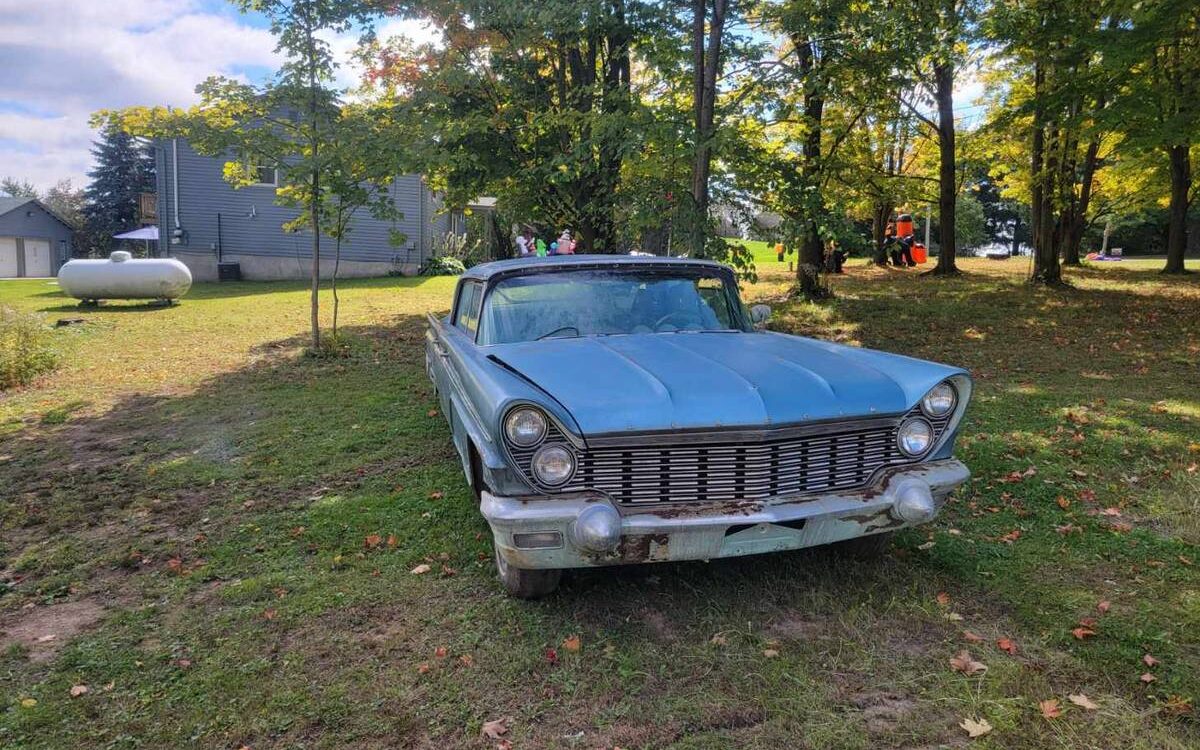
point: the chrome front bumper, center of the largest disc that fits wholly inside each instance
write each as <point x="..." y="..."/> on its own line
<point x="591" y="530"/>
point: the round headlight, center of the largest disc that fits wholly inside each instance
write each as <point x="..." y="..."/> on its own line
<point x="525" y="427"/>
<point x="940" y="401"/>
<point x="915" y="437"/>
<point x="553" y="465"/>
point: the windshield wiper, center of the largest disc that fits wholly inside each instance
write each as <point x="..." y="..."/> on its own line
<point x="559" y="330"/>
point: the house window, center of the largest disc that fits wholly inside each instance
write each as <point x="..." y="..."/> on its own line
<point x="264" y="175"/>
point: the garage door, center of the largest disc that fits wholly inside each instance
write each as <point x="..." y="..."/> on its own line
<point x="8" y="257"/>
<point x="37" y="257"/>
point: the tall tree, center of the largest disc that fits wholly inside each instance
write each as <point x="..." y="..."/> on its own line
<point x="17" y="188"/>
<point x="124" y="169"/>
<point x="708" y="32"/>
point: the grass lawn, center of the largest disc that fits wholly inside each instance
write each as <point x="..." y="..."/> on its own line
<point x="214" y="535"/>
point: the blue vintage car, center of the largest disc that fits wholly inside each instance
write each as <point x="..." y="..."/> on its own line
<point x="617" y="409"/>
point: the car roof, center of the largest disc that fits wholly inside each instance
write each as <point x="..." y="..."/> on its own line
<point x="485" y="271"/>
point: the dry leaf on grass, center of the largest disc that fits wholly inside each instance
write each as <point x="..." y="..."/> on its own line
<point x="1147" y="678"/>
<point x="975" y="727"/>
<point x="972" y="637"/>
<point x="1149" y="661"/>
<point x="1050" y="708"/>
<point x="572" y="643"/>
<point x="78" y="690"/>
<point x="1103" y="606"/>
<point x="965" y="664"/>
<point x="496" y="728"/>
<point x="1082" y="632"/>
<point x="421" y="569"/>
<point x="1081" y="700"/>
<point x="770" y="653"/>
<point x="1006" y="645"/>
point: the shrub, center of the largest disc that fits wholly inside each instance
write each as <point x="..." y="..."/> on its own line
<point x="25" y="350"/>
<point x="444" y="266"/>
<point x="454" y="245"/>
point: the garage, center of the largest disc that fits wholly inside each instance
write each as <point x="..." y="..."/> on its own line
<point x="34" y="242"/>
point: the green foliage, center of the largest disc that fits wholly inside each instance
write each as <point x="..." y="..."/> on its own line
<point x="970" y="224"/>
<point x="442" y="266"/>
<point x="124" y="169"/>
<point x="26" y="348"/>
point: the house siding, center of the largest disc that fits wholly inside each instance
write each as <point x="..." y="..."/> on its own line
<point x="31" y="221"/>
<point x="251" y="223"/>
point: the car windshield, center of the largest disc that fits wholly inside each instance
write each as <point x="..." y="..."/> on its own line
<point x="605" y="303"/>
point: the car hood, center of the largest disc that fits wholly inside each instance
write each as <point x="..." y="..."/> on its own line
<point x="677" y="381"/>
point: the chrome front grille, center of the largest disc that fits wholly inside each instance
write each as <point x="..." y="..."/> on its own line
<point x="733" y="467"/>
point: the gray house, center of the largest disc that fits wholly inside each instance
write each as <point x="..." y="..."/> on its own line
<point x="205" y="222"/>
<point x="33" y="240"/>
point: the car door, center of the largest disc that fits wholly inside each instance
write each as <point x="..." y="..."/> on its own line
<point x="445" y="339"/>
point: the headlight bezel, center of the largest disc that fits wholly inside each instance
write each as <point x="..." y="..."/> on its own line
<point x="930" y="431"/>
<point x="932" y="413"/>
<point x="541" y="452"/>
<point x="516" y="412"/>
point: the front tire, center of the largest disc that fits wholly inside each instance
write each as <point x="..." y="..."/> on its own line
<point x="524" y="583"/>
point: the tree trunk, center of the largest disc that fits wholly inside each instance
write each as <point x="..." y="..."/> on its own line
<point x="879" y="222"/>
<point x="1079" y="215"/>
<point x="947" y="170"/>
<point x="1181" y="185"/>
<point x="812" y="250"/>
<point x="706" y="65"/>
<point x="1046" y="269"/>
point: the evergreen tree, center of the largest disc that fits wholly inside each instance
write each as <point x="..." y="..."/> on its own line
<point x="124" y="170"/>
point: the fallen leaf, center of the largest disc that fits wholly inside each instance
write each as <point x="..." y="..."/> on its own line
<point x="943" y="598"/>
<point x="954" y="617"/>
<point x="1114" y="511"/>
<point x="1006" y="645"/>
<point x="1087" y="622"/>
<point x="770" y="653"/>
<point x="1149" y="661"/>
<point x="1063" y="502"/>
<point x="1185" y="560"/>
<point x="448" y="571"/>
<point x="431" y="413"/>
<point x="504" y="745"/>
<point x="719" y="640"/>
<point x="1103" y="606"/>
<point x="28" y="702"/>
<point x="975" y="727"/>
<point x="440" y="652"/>
<point x="1084" y="702"/>
<point x="466" y="660"/>
<point x="1050" y="708"/>
<point x="78" y="690"/>
<point x="552" y="656"/>
<point x="1087" y="495"/>
<point x="1011" y="536"/>
<point x="571" y="643"/>
<point x="423" y="668"/>
<point x="269" y="614"/>
<point x="372" y="541"/>
<point x="1082" y="632"/>
<point x="392" y="541"/>
<point x="963" y="662"/>
<point x="1147" y="678"/>
<point x="183" y="663"/>
<point x="421" y="569"/>
<point x="927" y="545"/>
<point x="972" y="637"/>
<point x="496" y="728"/>
<point x="435" y="495"/>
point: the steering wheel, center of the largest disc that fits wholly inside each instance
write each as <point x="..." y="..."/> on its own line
<point x="685" y="318"/>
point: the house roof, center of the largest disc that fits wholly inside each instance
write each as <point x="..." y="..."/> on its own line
<point x="485" y="271"/>
<point x="8" y="205"/>
<point x="12" y="204"/>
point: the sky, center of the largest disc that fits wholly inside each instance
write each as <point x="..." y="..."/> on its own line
<point x="61" y="60"/>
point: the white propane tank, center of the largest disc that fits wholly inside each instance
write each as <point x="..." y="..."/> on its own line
<point x="123" y="277"/>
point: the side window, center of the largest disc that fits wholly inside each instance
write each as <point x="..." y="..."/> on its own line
<point x="467" y="313"/>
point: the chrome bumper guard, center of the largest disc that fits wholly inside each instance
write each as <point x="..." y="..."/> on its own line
<point x="587" y="529"/>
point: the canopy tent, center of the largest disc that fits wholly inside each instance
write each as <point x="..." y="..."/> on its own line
<point x="145" y="233"/>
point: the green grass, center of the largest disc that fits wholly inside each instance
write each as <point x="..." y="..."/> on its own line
<point x="219" y="533"/>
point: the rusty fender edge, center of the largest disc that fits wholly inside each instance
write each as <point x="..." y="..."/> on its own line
<point x="703" y="531"/>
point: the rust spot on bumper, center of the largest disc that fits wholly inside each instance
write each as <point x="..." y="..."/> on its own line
<point x="871" y="520"/>
<point x="635" y="548"/>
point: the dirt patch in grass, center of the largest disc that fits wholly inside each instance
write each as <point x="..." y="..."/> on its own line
<point x="42" y="631"/>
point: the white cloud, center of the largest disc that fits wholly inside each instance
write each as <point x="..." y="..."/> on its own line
<point x="64" y="59"/>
